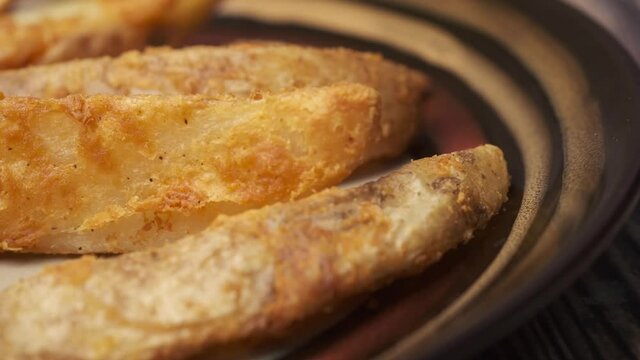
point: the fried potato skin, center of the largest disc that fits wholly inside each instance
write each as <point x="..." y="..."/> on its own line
<point x="254" y="274"/>
<point x="58" y="31"/>
<point x="86" y="174"/>
<point x="241" y="70"/>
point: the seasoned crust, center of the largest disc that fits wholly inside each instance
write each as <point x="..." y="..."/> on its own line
<point x="243" y="69"/>
<point x="58" y="31"/>
<point x="254" y="274"/>
<point x="113" y="173"/>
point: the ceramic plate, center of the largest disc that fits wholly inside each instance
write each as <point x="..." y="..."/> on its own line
<point x="544" y="82"/>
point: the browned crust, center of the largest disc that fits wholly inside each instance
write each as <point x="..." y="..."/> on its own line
<point x="87" y="28"/>
<point x="256" y="273"/>
<point x="243" y="69"/>
<point x="113" y="173"/>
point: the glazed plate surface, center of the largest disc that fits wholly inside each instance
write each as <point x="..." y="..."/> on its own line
<point x="554" y="90"/>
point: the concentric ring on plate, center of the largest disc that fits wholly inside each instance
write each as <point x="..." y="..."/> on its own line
<point x="501" y="77"/>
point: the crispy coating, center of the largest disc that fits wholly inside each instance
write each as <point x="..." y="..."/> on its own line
<point x="241" y="70"/>
<point x="253" y="274"/>
<point x="38" y="32"/>
<point x="107" y="173"/>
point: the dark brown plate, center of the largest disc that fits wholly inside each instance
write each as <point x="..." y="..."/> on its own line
<point x="541" y="80"/>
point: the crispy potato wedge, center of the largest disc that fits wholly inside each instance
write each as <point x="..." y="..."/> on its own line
<point x="254" y="274"/>
<point x="111" y="174"/>
<point x="40" y="32"/>
<point x="241" y="70"/>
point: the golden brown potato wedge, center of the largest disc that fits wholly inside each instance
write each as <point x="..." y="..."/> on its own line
<point x="39" y="32"/>
<point x="241" y="70"/>
<point x="112" y="174"/>
<point x="254" y="274"/>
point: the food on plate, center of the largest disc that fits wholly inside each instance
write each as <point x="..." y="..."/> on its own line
<point x="111" y="174"/>
<point x="39" y="32"/>
<point x="241" y="70"/>
<point x="251" y="275"/>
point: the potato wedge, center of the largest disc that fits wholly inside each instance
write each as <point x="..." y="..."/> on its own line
<point x="254" y="274"/>
<point x="40" y="32"/>
<point x="112" y="174"/>
<point x="241" y="70"/>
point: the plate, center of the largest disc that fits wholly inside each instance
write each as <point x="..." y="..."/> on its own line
<point x="553" y="89"/>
